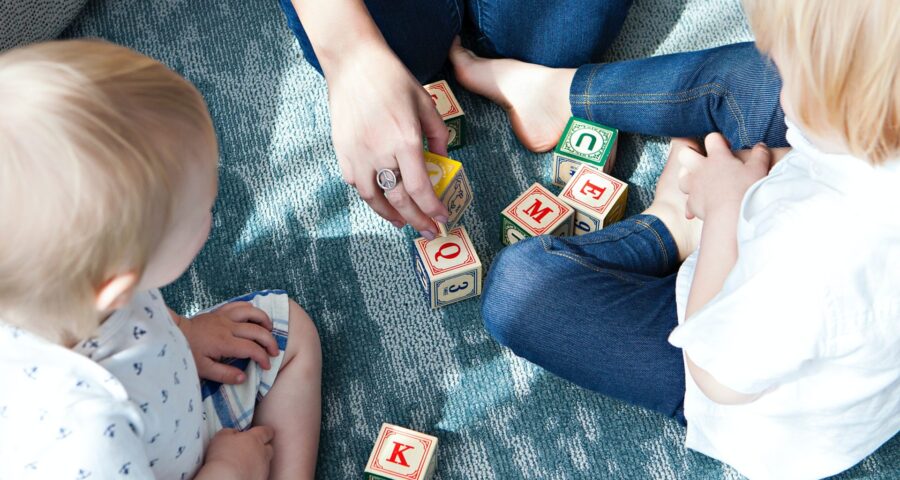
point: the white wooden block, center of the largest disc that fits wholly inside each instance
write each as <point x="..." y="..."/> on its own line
<point x="598" y="199"/>
<point x="450" y="111"/>
<point x="402" y="454"/>
<point x="448" y="268"/>
<point x="535" y="212"/>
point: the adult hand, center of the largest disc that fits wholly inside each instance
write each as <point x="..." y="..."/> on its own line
<point x="719" y="179"/>
<point x="234" y="330"/>
<point x="379" y="113"/>
<point x="239" y="455"/>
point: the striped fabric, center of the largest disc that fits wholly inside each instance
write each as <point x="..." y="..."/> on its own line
<point x="284" y="219"/>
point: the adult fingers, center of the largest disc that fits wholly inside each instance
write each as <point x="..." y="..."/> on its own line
<point x="219" y="372"/>
<point x="374" y="196"/>
<point x="418" y="185"/>
<point x="407" y="207"/>
<point x="433" y="126"/>
<point x="258" y="334"/>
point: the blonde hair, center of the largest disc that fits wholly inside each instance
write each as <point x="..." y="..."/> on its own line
<point x="839" y="61"/>
<point x="93" y="141"/>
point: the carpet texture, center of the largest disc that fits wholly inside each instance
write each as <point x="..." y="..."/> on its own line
<point x="285" y="220"/>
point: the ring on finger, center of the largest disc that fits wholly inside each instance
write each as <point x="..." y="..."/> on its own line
<point x="388" y="178"/>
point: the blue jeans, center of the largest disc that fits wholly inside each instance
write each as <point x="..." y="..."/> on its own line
<point x="596" y="310"/>
<point x="731" y="89"/>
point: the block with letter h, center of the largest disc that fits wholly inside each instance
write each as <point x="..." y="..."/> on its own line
<point x="402" y="454"/>
<point x="583" y="142"/>
<point x="450" y="111"/>
<point x="450" y="185"/>
<point x="535" y="212"/>
<point x="448" y="268"/>
<point x="598" y="199"/>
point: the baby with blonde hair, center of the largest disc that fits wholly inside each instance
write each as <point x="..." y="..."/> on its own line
<point x="108" y="174"/>
<point x="783" y="301"/>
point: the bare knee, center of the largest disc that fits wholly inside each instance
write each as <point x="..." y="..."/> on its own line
<point x="303" y="346"/>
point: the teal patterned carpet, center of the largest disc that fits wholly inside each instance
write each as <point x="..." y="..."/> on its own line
<point x="285" y="220"/>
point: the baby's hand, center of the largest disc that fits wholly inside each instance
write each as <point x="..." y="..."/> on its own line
<point x="234" y="330"/>
<point x="719" y="180"/>
<point x="239" y="455"/>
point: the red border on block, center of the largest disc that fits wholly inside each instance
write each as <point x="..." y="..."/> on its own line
<point x="511" y="209"/>
<point x="457" y="232"/>
<point x="582" y="171"/>
<point x="376" y="466"/>
<point x="444" y="87"/>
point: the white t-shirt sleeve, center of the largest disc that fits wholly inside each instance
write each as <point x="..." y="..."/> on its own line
<point x="768" y="321"/>
<point x="96" y="438"/>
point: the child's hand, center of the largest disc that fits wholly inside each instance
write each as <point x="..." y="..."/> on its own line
<point x="239" y="455"/>
<point x="234" y="330"/>
<point x="719" y="180"/>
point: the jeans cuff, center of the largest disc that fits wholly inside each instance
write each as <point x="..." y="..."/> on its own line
<point x="582" y="83"/>
<point x="663" y="234"/>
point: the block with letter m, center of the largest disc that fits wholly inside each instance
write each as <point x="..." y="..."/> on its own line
<point x="535" y="212"/>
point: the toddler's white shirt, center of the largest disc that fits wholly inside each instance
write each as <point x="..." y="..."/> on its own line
<point x="124" y="403"/>
<point x="810" y="314"/>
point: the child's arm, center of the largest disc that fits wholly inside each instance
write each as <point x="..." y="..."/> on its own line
<point x="716" y="185"/>
<point x="234" y="455"/>
<point x="234" y="330"/>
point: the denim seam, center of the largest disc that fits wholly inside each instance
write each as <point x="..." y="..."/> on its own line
<point x="659" y="240"/>
<point x="578" y="260"/>
<point x="679" y="97"/>
<point x="455" y="6"/>
<point x="590" y="83"/>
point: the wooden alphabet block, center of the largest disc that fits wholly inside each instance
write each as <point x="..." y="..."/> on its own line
<point x="448" y="268"/>
<point x="583" y="142"/>
<point x="535" y="212"/>
<point x="451" y="112"/>
<point x="598" y="199"/>
<point x="402" y="454"/>
<point x="450" y="185"/>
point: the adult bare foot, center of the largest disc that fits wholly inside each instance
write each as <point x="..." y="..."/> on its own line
<point x="536" y="98"/>
<point x="670" y="202"/>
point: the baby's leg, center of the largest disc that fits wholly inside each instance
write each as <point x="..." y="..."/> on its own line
<point x="293" y="407"/>
<point x="597" y="309"/>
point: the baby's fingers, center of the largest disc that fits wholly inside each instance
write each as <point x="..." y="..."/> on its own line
<point x="246" y="312"/>
<point x="258" y="334"/>
<point x="210" y="369"/>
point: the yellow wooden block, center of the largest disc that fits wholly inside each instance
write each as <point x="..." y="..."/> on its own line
<point x="448" y="178"/>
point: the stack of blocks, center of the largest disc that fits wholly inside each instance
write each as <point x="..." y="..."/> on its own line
<point x="590" y="200"/>
<point x="451" y="112"/>
<point x="583" y="142"/>
<point x="402" y="454"/>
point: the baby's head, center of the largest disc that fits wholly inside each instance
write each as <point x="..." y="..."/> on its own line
<point x="107" y="177"/>
<point x="841" y="71"/>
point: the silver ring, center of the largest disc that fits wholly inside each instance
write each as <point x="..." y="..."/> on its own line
<point x="388" y="178"/>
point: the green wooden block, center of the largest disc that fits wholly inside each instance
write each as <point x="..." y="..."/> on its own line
<point x="457" y="127"/>
<point x="583" y="142"/>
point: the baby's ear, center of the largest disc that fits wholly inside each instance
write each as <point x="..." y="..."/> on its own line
<point x="115" y="292"/>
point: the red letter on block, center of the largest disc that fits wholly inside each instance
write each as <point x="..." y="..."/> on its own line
<point x="593" y="191"/>
<point x="535" y="211"/>
<point x="397" y="455"/>
<point x="440" y="253"/>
